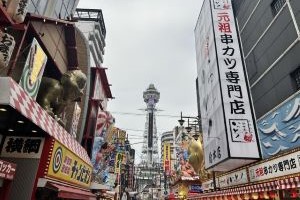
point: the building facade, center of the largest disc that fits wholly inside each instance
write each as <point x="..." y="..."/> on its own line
<point x="45" y="55"/>
<point x="273" y="69"/>
<point x="272" y="65"/>
<point x="57" y="9"/>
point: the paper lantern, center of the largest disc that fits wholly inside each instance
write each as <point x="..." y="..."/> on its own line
<point x="17" y="10"/>
<point x="293" y="193"/>
<point x="254" y="195"/>
<point x="3" y="3"/>
<point x="265" y="195"/>
<point x="246" y="196"/>
<point x="7" y="44"/>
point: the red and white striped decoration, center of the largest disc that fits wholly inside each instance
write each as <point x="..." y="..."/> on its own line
<point x="19" y="100"/>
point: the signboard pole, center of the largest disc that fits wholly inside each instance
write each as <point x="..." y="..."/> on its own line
<point x="214" y="180"/>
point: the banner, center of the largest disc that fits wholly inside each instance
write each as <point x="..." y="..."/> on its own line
<point x="167" y="157"/>
<point x="33" y="69"/>
<point x="282" y="166"/>
<point x="66" y="166"/>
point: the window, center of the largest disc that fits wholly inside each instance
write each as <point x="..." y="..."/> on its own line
<point x="276" y="5"/>
<point x="296" y="76"/>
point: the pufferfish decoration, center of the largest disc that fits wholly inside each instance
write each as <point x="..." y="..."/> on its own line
<point x="196" y="158"/>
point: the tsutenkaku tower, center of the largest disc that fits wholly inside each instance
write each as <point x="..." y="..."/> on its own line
<point x="150" y="147"/>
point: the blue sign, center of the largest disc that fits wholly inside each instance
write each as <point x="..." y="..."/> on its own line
<point x="280" y="129"/>
<point x="196" y="189"/>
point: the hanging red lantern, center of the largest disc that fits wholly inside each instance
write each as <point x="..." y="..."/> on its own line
<point x="229" y="197"/>
<point x="294" y="193"/>
<point x="272" y="194"/>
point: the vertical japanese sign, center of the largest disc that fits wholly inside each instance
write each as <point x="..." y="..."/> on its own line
<point x="7" y="170"/>
<point x="118" y="162"/>
<point x="227" y="115"/>
<point x="33" y="69"/>
<point x="7" y="45"/>
<point x="167" y="158"/>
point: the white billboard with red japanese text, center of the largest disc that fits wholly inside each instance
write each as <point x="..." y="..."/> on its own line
<point x="282" y="166"/>
<point x="228" y="122"/>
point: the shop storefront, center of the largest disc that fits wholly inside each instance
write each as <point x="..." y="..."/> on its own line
<point x="275" y="178"/>
<point x="187" y="187"/>
<point x="67" y="175"/>
<point x="51" y="163"/>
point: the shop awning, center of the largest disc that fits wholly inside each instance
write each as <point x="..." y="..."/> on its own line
<point x="69" y="192"/>
<point x="13" y="95"/>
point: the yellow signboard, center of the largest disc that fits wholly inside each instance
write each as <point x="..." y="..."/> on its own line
<point x="66" y="166"/>
<point x="167" y="157"/>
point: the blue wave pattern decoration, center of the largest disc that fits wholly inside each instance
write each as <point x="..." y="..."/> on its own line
<point x="280" y="129"/>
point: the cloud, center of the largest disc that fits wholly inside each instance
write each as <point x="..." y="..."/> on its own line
<point x="150" y="41"/>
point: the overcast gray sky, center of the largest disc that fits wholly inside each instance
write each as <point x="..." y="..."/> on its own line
<point x="149" y="41"/>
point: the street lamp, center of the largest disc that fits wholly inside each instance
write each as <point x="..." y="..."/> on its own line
<point x="189" y="127"/>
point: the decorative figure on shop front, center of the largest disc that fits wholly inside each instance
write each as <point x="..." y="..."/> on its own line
<point x="55" y="95"/>
<point x="187" y="169"/>
<point x="196" y="158"/>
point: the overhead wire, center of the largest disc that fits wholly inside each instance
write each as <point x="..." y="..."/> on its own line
<point x="142" y="114"/>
